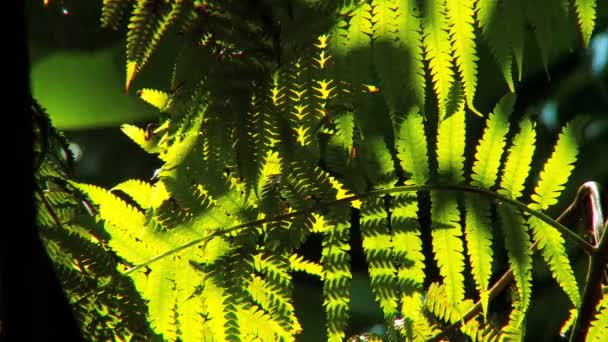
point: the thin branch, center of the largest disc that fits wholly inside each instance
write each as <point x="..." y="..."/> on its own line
<point x="598" y="259"/>
<point x="423" y="188"/>
<point x="592" y="293"/>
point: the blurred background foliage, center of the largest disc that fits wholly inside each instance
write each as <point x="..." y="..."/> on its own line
<point x="77" y="73"/>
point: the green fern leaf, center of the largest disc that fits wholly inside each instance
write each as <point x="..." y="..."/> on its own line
<point x="335" y="259"/>
<point x="113" y="11"/>
<point x="138" y="135"/>
<point x="518" y="245"/>
<point x="438" y="50"/>
<point x="149" y="21"/>
<point x="445" y="217"/>
<point x="159" y="99"/>
<point x="513" y="330"/>
<point x="396" y="36"/>
<point x="407" y="248"/>
<point x="558" y="168"/>
<point x="478" y="236"/>
<point x="585" y="12"/>
<point x="298" y="263"/>
<point x="412" y="149"/>
<point x="377" y="246"/>
<point x="503" y="28"/>
<point x="139" y="191"/>
<point x="445" y="310"/>
<point x="409" y="29"/>
<point x="160" y="291"/>
<point x="114" y="210"/>
<point x="569" y="322"/>
<point x="517" y="165"/>
<point x="460" y="16"/>
<point x="517" y="241"/>
<point x="598" y="331"/>
<point x="491" y="146"/>
<point x="552" y="36"/>
<point x="274" y="290"/>
<point x="485" y="170"/>
<point x="555" y="174"/>
<point x="345" y="128"/>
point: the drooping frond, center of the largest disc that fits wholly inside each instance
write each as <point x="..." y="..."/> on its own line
<point x="550" y="38"/>
<point x="517" y="240"/>
<point x="459" y="14"/>
<point x="485" y="170"/>
<point x="598" y="331"/>
<point x="503" y="27"/>
<point x="447" y="311"/>
<point x="517" y="166"/>
<point x="114" y="10"/>
<point x="514" y="330"/>
<point x="396" y="38"/>
<point x="445" y="216"/>
<point x="159" y="99"/>
<point x="518" y="245"/>
<point x="335" y="259"/>
<point x="149" y="21"/>
<point x="555" y="174"/>
<point x="412" y="149"/>
<point x="438" y="51"/>
<point x="377" y="245"/>
<point x="491" y="145"/>
<point x="585" y="13"/>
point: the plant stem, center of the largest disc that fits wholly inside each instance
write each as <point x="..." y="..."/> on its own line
<point x="399" y="189"/>
<point x="592" y="293"/>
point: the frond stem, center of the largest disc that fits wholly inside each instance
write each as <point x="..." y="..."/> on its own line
<point x="417" y="188"/>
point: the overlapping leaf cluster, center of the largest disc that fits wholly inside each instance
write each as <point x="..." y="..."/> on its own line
<point x="211" y="243"/>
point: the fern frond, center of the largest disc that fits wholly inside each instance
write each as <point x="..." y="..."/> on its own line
<point x="558" y="168"/>
<point x="297" y="263"/>
<point x="445" y="310"/>
<point x="412" y="149"/>
<point x="114" y="210"/>
<point x="407" y="245"/>
<point x="502" y="27"/>
<point x="551" y="37"/>
<point x="478" y="236"/>
<point x="445" y="216"/>
<point x="157" y="98"/>
<point x="585" y="12"/>
<point x="409" y="29"/>
<point x="491" y="145"/>
<point x="139" y="191"/>
<point x="514" y="330"/>
<point x="517" y="165"/>
<point x="112" y="12"/>
<point x="396" y="38"/>
<point x="416" y="325"/>
<point x="518" y="245"/>
<point x="377" y="246"/>
<point x="335" y="258"/>
<point x="138" y="135"/>
<point x="598" y="331"/>
<point x="160" y="290"/>
<point x="555" y="174"/>
<point x="359" y="37"/>
<point x="149" y="21"/>
<point x="485" y="170"/>
<point x="569" y="322"/>
<point x="438" y="50"/>
<point x="274" y="290"/>
<point x="460" y="16"/>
